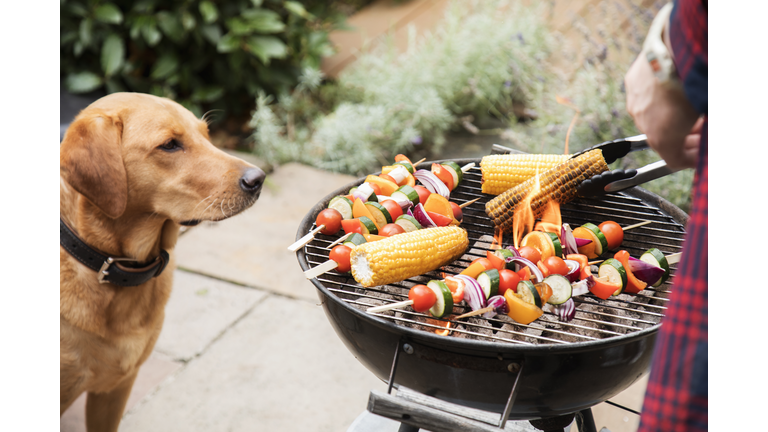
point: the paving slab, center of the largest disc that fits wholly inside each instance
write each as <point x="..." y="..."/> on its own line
<point x="199" y="310"/>
<point x="279" y="368"/>
<point x="251" y="248"/>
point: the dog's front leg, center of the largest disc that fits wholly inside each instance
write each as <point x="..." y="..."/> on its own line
<point x="103" y="411"/>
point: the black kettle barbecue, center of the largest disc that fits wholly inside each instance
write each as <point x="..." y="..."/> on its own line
<point x="538" y="371"/>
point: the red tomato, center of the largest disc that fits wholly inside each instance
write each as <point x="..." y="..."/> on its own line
<point x="457" y="212"/>
<point x="530" y="254"/>
<point x="613" y="232"/>
<point x="331" y="218"/>
<point x="556" y="265"/>
<point x="508" y="280"/>
<point x="340" y="254"/>
<point x="391" y="229"/>
<point x="393" y="208"/>
<point x="423" y="192"/>
<point x="439" y="219"/>
<point x="422" y="296"/>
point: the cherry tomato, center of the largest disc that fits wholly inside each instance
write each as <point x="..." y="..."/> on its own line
<point x="331" y="218"/>
<point x="391" y="229"/>
<point x="457" y="212"/>
<point x="423" y="192"/>
<point x="613" y="232"/>
<point x="422" y="296"/>
<point x="394" y="209"/>
<point x="340" y="254"/>
<point x="530" y="254"/>
<point x="508" y="280"/>
<point x="556" y="265"/>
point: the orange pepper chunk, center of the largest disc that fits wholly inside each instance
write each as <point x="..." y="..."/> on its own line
<point x="634" y="285"/>
<point x="583" y="261"/>
<point x="474" y="269"/>
<point x="387" y="186"/>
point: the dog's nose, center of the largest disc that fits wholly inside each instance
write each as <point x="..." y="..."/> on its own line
<point x="252" y="180"/>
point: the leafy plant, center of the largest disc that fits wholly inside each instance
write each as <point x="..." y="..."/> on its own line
<point x="206" y="54"/>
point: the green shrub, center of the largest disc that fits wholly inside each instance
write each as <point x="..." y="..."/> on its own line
<point x="205" y="54"/>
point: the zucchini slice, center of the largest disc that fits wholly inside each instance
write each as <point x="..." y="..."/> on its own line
<point x="528" y="293"/>
<point x="601" y="243"/>
<point x="561" y="289"/>
<point x="380" y="214"/>
<point x="614" y="272"/>
<point x="368" y="227"/>
<point x="444" y="303"/>
<point x="406" y="192"/>
<point x="455" y="171"/>
<point x="354" y="240"/>
<point x="504" y="254"/>
<point x="408" y="222"/>
<point x="343" y="205"/>
<point x="407" y="166"/>
<point x="489" y="281"/>
<point x="657" y="258"/>
<point x="556" y="244"/>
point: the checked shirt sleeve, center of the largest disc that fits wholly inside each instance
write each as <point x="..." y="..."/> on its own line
<point x="677" y="395"/>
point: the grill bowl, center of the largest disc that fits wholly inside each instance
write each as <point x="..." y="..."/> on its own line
<point x="555" y="379"/>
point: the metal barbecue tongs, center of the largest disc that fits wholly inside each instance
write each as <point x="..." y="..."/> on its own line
<point x="619" y="179"/>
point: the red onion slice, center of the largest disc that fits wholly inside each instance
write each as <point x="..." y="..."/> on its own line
<point x="573" y="270"/>
<point x="581" y="242"/>
<point x="534" y="269"/>
<point x="581" y="287"/>
<point x="566" y="311"/>
<point x="432" y="183"/>
<point x="421" y="215"/>
<point x="568" y="240"/>
<point x="473" y="292"/>
<point x="644" y="271"/>
<point x="404" y="204"/>
<point x="515" y="251"/>
<point x="499" y="304"/>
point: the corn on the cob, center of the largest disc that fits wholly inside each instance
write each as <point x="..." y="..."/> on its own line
<point x="558" y="184"/>
<point x="406" y="255"/>
<point x="505" y="171"/>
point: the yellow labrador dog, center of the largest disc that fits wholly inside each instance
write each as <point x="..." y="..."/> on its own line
<point x="134" y="168"/>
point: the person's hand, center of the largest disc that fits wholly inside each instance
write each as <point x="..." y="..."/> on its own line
<point x="663" y="113"/>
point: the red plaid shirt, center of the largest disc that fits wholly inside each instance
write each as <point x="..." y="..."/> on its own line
<point x="676" y="398"/>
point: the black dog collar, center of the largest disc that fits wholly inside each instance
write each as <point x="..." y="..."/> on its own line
<point x="118" y="271"/>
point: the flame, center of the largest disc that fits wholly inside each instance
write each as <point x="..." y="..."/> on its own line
<point x="523" y="219"/>
<point x="567" y="102"/>
<point x="441" y="332"/>
<point x="551" y="221"/>
<point x="498" y="235"/>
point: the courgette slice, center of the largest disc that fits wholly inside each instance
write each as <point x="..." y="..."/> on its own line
<point x="504" y="254"/>
<point x="407" y="166"/>
<point x="556" y="244"/>
<point x="380" y="214"/>
<point x="368" y="227"/>
<point x="343" y="205"/>
<point x="528" y="293"/>
<point x="656" y="257"/>
<point x="489" y="281"/>
<point x="408" y="222"/>
<point x="455" y="171"/>
<point x="354" y="240"/>
<point x="406" y="192"/>
<point x="444" y="300"/>
<point x="612" y="270"/>
<point x="601" y="243"/>
<point x="561" y="289"/>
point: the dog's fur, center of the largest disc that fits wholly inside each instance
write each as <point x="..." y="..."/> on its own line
<point x="133" y="168"/>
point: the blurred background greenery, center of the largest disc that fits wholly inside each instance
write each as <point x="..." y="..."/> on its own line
<point x="492" y="71"/>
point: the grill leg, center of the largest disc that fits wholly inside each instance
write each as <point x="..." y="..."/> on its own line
<point x="585" y="421"/>
<point x="407" y="428"/>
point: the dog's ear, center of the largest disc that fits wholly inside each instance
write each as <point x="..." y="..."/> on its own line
<point x="91" y="161"/>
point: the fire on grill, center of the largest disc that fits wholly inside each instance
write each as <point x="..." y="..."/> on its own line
<point x="608" y="341"/>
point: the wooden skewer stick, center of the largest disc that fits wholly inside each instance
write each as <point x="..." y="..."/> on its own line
<point x="340" y="239"/>
<point x="469" y="202"/>
<point x="422" y="160"/>
<point x="304" y="240"/>
<point x="673" y="258"/>
<point x="322" y="268"/>
<point x="637" y="225"/>
<point x="467" y="167"/>
<point x="390" y="306"/>
<point x="475" y="312"/>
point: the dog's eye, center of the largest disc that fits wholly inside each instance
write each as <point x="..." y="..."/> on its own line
<point x="171" y="145"/>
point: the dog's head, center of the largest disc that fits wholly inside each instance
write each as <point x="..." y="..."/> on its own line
<point x="136" y="153"/>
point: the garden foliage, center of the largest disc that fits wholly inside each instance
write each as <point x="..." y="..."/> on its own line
<point x="202" y="53"/>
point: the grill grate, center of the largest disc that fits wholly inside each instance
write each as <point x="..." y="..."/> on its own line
<point x="595" y="318"/>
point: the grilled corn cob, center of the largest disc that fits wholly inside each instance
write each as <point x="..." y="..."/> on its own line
<point x="558" y="183"/>
<point x="505" y="171"/>
<point x="406" y="255"/>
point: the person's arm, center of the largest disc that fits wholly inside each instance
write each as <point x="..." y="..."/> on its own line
<point x="661" y="109"/>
